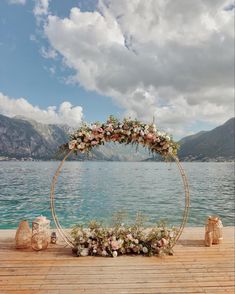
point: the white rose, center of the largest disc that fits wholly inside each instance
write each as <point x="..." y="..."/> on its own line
<point x="115" y="254"/>
<point x="72" y="144"/>
<point x="145" y="249"/>
<point x="168" y="137"/>
<point x="85" y="252"/>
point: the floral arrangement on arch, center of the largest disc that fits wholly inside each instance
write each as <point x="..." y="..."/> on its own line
<point x="126" y="131"/>
<point x="120" y="239"/>
<point x="98" y="240"/>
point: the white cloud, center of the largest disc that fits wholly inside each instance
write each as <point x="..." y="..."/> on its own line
<point x="65" y="114"/>
<point x="41" y="7"/>
<point x="48" y="53"/>
<point x="33" y="38"/>
<point x="21" y="2"/>
<point x="169" y="59"/>
<point x="52" y="70"/>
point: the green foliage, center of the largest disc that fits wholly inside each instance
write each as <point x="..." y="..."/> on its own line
<point x="119" y="218"/>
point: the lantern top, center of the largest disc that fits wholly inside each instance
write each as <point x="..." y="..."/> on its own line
<point x="41" y="219"/>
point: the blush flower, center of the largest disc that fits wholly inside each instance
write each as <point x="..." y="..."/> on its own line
<point x="93" y="143"/>
<point x="115" y="245"/>
<point x="72" y="144"/>
<point x="149" y="136"/>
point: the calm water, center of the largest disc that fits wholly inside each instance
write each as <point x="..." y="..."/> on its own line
<point x="88" y="190"/>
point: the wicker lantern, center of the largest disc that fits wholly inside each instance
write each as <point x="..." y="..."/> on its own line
<point x="213" y="231"/>
<point x="39" y="241"/>
<point x="40" y="233"/>
<point x="23" y="235"/>
<point x="41" y="224"/>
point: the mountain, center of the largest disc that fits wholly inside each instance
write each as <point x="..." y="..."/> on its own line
<point x="191" y="137"/>
<point x="24" y="138"/>
<point x="215" y="145"/>
<point x="21" y="138"/>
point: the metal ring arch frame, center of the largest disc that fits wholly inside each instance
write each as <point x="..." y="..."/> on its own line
<point x="65" y="236"/>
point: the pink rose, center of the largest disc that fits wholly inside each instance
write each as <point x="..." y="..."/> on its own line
<point x="164" y="242"/>
<point x="115" y="245"/>
<point x="129" y="237"/>
<point x="93" y="143"/>
<point x="115" y="137"/>
<point x="100" y="130"/>
<point x="149" y="136"/>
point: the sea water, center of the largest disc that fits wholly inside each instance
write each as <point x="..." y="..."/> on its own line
<point x="97" y="190"/>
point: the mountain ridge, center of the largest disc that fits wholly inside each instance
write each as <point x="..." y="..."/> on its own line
<point x="31" y="140"/>
<point x="28" y="139"/>
<point x="217" y="144"/>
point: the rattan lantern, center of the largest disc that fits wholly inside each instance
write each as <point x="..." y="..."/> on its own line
<point x="40" y="233"/>
<point x="23" y="235"/>
<point x="39" y="241"/>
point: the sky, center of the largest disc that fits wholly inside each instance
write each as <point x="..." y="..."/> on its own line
<point x="65" y="62"/>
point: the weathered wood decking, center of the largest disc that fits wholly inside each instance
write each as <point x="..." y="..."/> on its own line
<point x="193" y="269"/>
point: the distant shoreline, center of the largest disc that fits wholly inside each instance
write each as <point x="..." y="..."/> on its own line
<point x="7" y="159"/>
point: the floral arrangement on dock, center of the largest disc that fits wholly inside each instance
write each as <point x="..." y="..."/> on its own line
<point x="121" y="239"/>
<point x="126" y="131"/>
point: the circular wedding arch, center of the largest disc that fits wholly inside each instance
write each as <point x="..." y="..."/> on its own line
<point x="108" y="132"/>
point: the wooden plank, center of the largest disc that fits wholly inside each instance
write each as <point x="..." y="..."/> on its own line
<point x="193" y="269"/>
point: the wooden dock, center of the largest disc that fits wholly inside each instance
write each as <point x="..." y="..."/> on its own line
<point x="193" y="269"/>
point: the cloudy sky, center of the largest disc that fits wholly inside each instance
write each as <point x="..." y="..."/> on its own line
<point x="68" y="61"/>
